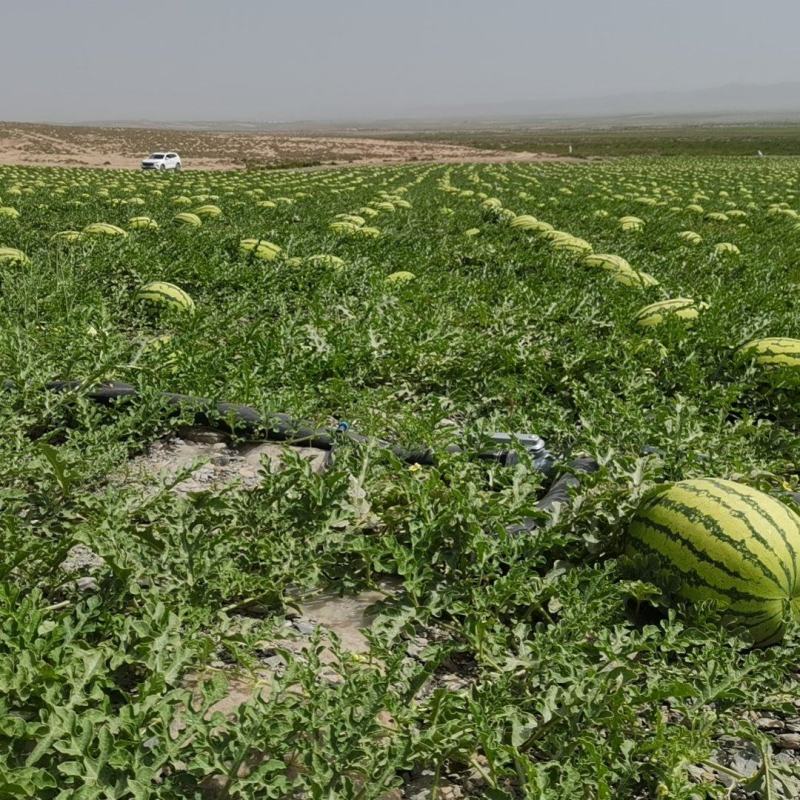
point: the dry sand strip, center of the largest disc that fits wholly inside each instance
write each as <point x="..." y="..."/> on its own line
<point x="123" y="148"/>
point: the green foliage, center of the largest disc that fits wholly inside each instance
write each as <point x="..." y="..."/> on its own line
<point x="573" y="680"/>
<point x="670" y="138"/>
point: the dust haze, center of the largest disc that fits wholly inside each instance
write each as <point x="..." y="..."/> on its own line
<point x="311" y="60"/>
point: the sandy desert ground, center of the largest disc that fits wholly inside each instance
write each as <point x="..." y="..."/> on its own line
<point x="120" y="148"/>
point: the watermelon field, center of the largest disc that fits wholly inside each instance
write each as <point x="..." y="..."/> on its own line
<point x="630" y="641"/>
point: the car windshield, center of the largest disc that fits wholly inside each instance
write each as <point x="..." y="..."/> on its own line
<point x="156" y="155"/>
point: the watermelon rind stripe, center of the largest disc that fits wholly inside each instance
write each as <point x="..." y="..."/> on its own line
<point x="683" y="512"/>
<point x="726" y="543"/>
<point x="172" y="294"/>
<point x="775" y="525"/>
<point x="164" y="292"/>
<point x="688" y="564"/>
<point x="759" y="559"/>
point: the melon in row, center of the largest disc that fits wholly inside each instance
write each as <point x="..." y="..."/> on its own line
<point x="728" y="544"/>
<point x="526" y="222"/>
<point x="142" y="223"/>
<point x="104" y="229"/>
<point x="683" y="308"/>
<point x="188" y="219"/>
<point x="620" y="269"/>
<point x="777" y="352"/>
<point x="260" y="249"/>
<point x="11" y="255"/>
<point x="167" y="294"/>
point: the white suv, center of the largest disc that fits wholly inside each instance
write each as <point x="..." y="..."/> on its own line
<point x="162" y="161"/>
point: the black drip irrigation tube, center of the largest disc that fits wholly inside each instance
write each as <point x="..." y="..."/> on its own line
<point x="279" y="427"/>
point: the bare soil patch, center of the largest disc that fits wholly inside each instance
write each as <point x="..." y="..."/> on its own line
<point x="212" y="461"/>
<point x="123" y="148"/>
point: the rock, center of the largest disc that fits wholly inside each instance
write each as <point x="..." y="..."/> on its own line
<point x="386" y="720"/>
<point x="204" y="474"/>
<point x="81" y="559"/>
<point x="416" y="646"/>
<point x="726" y="780"/>
<point x="475" y="780"/>
<point x="701" y="775"/>
<point x="446" y="423"/>
<point x="256" y="609"/>
<point x="275" y="662"/>
<point x="304" y="627"/>
<point x="86" y="584"/>
<point x="424" y="787"/>
<point x="453" y="682"/>
<point x="421" y="785"/>
<point x="202" y="436"/>
<point x="745" y="765"/>
<point x="740" y="755"/>
<point x="788" y="741"/>
<point x="221" y="461"/>
<point x="768" y="724"/>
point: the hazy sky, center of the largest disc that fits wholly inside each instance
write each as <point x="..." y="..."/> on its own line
<point x="68" y="60"/>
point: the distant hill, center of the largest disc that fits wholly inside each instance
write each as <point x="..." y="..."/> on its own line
<point x="731" y="100"/>
<point x="730" y="103"/>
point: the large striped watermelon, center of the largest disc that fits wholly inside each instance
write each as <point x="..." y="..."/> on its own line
<point x="66" y="236"/>
<point x="208" y="211"/>
<point x="403" y="276"/>
<point x="104" y="229"/>
<point x="188" y="219"/>
<point x="571" y="244"/>
<point x="11" y="255"/>
<point x="142" y="223"/>
<point x="729" y="544"/>
<point x="631" y="223"/>
<point x="260" y="248"/>
<point x="726" y="249"/>
<point x="775" y="352"/>
<point x="607" y="261"/>
<point x="167" y="294"/>
<point x="691" y="237"/>
<point x="634" y="278"/>
<point x="526" y="222"/>
<point x="681" y="307"/>
<point x="326" y="260"/>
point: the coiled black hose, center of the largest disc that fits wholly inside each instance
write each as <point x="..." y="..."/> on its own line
<point x="276" y="426"/>
<point x="246" y="421"/>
